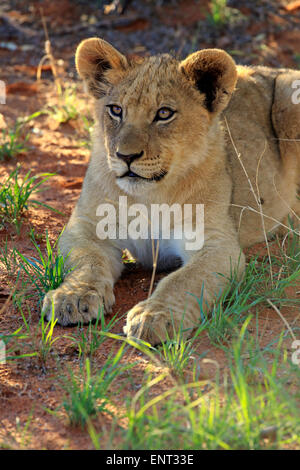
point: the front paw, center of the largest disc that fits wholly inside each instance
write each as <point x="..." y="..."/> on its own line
<point x="152" y="322"/>
<point x="74" y="304"/>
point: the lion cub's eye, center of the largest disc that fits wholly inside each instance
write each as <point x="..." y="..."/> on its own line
<point x="163" y="114"/>
<point x="115" y="110"/>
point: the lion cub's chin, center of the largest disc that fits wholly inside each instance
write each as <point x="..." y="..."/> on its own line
<point x="135" y="186"/>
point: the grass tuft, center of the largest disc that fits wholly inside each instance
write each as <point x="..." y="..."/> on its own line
<point x="13" y="141"/>
<point x="46" y="271"/>
<point x="87" y="394"/>
<point x="16" y="196"/>
<point x="88" y="340"/>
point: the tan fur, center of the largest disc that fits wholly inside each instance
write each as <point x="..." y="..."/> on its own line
<point x="206" y="156"/>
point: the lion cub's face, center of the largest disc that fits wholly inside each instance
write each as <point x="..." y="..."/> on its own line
<point x="154" y="124"/>
<point x="156" y="113"/>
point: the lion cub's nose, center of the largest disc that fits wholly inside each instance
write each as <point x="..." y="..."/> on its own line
<point x="129" y="158"/>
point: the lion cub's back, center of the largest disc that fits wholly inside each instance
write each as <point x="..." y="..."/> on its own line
<point x="258" y="164"/>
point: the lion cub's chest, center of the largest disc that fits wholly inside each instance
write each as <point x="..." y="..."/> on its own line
<point x="171" y="252"/>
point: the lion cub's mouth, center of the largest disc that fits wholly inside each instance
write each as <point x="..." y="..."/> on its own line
<point x="131" y="174"/>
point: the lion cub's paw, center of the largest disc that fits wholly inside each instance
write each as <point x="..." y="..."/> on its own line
<point x="151" y="323"/>
<point x="76" y="305"/>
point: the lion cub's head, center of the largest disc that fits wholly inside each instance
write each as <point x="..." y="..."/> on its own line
<point x="156" y="113"/>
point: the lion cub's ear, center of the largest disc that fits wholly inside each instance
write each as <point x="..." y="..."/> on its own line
<point x="214" y="73"/>
<point x="94" y="58"/>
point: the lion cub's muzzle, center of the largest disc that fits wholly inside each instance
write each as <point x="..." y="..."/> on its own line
<point x="128" y="159"/>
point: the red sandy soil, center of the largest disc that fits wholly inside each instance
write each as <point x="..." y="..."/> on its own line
<point x="25" y="385"/>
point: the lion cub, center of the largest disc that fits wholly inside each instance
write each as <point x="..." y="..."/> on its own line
<point x="197" y="132"/>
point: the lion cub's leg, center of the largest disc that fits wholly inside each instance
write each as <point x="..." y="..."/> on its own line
<point x="88" y="288"/>
<point x="175" y="302"/>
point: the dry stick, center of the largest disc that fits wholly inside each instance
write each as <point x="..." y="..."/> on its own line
<point x="282" y="318"/>
<point x="241" y="162"/>
<point x="240" y="218"/>
<point x="155" y="251"/>
<point x="266" y="216"/>
<point x="251" y="186"/>
<point x="50" y="57"/>
<point x="277" y="222"/>
<point x="289" y="140"/>
<point x="262" y="215"/>
<point x="256" y="196"/>
<point x="290" y="229"/>
<point x="260" y="207"/>
<point x="157" y="362"/>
